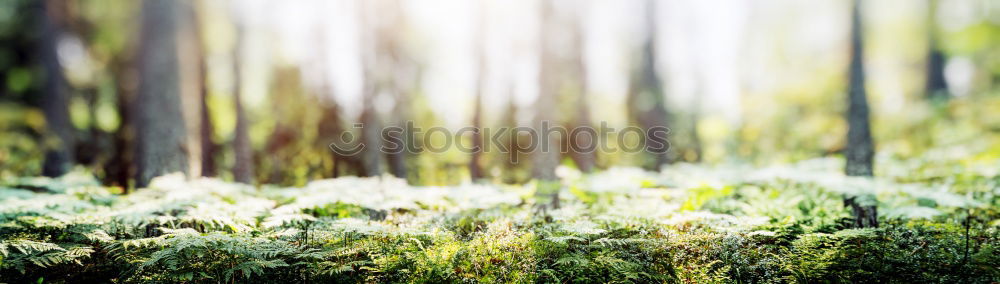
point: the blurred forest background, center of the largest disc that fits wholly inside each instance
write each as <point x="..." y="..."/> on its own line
<point x="255" y="91"/>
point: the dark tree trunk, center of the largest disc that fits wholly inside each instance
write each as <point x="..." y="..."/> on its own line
<point x="243" y="170"/>
<point x="646" y="101"/>
<point x="59" y="142"/>
<point x="121" y="167"/>
<point x="208" y="147"/>
<point x="160" y="130"/>
<point x="860" y="148"/>
<point x="936" y="85"/>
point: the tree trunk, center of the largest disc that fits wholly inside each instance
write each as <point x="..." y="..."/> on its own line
<point x="512" y="159"/>
<point x="646" y="101"/>
<point x="373" y="41"/>
<point x="160" y="130"/>
<point x="546" y="153"/>
<point x="371" y="136"/>
<point x="936" y="85"/>
<point x="208" y="147"/>
<point x="582" y="145"/>
<point x="121" y="167"/>
<point x="860" y="148"/>
<point x="475" y="159"/>
<point x="201" y="119"/>
<point x="243" y="170"/>
<point x="59" y="142"/>
<point x="396" y="160"/>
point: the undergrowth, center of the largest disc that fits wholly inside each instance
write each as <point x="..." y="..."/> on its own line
<point x="688" y="224"/>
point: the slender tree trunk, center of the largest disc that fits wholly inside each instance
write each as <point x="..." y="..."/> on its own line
<point x="475" y="159"/>
<point x="160" y="130"/>
<point x="512" y="160"/>
<point x="243" y="170"/>
<point x="373" y="41"/>
<point x="860" y="147"/>
<point x="389" y="65"/>
<point x="371" y="136"/>
<point x="121" y="167"/>
<point x="646" y="101"/>
<point x="208" y="147"/>
<point x="59" y="141"/>
<point x="330" y="130"/>
<point x="396" y="160"/>
<point x="936" y="85"/>
<point x="546" y="153"/>
<point x="582" y="145"/>
<point x="200" y="115"/>
<point x="190" y="58"/>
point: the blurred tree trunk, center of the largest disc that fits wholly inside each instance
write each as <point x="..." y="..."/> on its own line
<point x="160" y="130"/>
<point x="936" y="86"/>
<point x="208" y="147"/>
<point x="476" y="172"/>
<point x="546" y="153"/>
<point x="397" y="160"/>
<point x="475" y="161"/>
<point x="59" y="141"/>
<point x="376" y="65"/>
<point x="194" y="92"/>
<point x="121" y="167"/>
<point x="860" y="147"/>
<point x="581" y="142"/>
<point x="190" y="58"/>
<point x="394" y="72"/>
<point x="371" y="136"/>
<point x="330" y="127"/>
<point x="511" y="161"/>
<point x="243" y="170"/>
<point x="646" y="101"/>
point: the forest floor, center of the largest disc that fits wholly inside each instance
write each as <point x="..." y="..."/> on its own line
<point x="687" y="223"/>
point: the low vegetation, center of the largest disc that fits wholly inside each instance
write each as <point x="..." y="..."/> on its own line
<point x="689" y="224"/>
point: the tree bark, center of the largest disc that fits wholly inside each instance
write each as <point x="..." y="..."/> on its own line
<point x="160" y="130"/>
<point x="59" y="142"/>
<point x="860" y="147"/>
